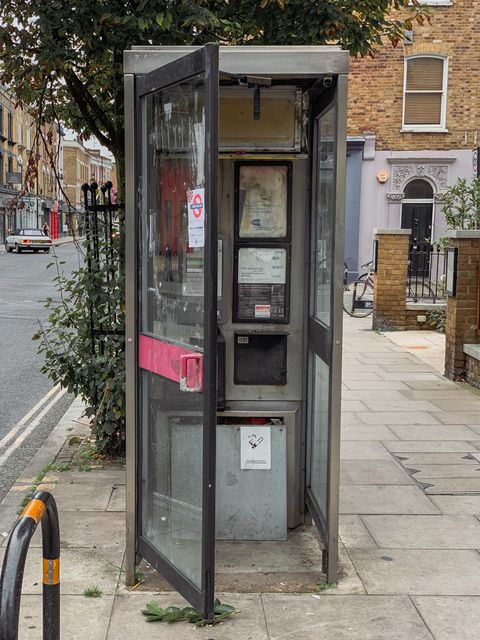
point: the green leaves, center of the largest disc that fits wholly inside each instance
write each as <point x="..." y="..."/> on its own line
<point x="88" y="364"/>
<point x="461" y="206"/>
<point x="75" y="47"/>
<point x="153" y="612"/>
<point x="164" y="20"/>
<point x="325" y="586"/>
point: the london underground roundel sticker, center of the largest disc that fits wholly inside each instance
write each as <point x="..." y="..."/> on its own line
<point x="196" y="217"/>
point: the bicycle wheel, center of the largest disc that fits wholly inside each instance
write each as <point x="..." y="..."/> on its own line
<point x="358" y="298"/>
<point x="418" y="289"/>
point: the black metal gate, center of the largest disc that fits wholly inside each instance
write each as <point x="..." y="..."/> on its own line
<point x="102" y="261"/>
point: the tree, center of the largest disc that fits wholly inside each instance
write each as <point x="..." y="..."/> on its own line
<point x="70" y="51"/>
<point x="63" y="58"/>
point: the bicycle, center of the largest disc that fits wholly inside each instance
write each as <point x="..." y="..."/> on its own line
<point x="358" y="295"/>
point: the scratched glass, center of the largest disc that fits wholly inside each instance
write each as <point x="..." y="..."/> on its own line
<point x="324" y="214"/>
<point x="320" y="433"/>
<point x="172" y="312"/>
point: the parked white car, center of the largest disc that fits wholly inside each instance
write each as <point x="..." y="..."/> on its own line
<point x="28" y="240"/>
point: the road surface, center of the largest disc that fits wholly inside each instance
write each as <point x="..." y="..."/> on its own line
<point x="30" y="405"/>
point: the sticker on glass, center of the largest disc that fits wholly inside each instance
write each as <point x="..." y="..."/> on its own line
<point x="196" y="218"/>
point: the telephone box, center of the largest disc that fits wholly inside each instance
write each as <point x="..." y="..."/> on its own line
<point x="235" y="172"/>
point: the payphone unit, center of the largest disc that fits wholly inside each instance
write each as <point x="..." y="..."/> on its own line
<point x="235" y="195"/>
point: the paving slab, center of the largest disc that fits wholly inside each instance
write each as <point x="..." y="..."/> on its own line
<point x="118" y="498"/>
<point x="82" y="618"/>
<point x="350" y="367"/>
<point x="451" y="485"/>
<point x="354" y="534"/>
<point x="374" y="499"/>
<point x="410" y="367"/>
<point x="350" y="418"/>
<point x="301" y="552"/>
<point x="89" y="529"/>
<point x="95" y="476"/>
<point x="418" y="572"/>
<point x="398" y="418"/>
<point x="349" y="581"/>
<point x="383" y="404"/>
<point x="446" y="471"/>
<point x="434" y="459"/>
<point x="351" y="358"/>
<point x="360" y="375"/>
<point x="407" y="377"/>
<point x="424" y="532"/>
<point x="457" y="417"/>
<point x="387" y="358"/>
<point x="440" y="394"/>
<point x="380" y="386"/>
<point x="468" y="403"/>
<point x="426" y="446"/>
<point x="363" y="450"/>
<point x="79" y="496"/>
<point x="373" y="394"/>
<point x="459" y="504"/>
<point x="431" y="383"/>
<point x="307" y="617"/>
<point x="385" y="472"/>
<point x="450" y="618"/>
<point x="79" y="569"/>
<point x="433" y="432"/>
<point x="475" y="427"/>
<point x="352" y="405"/>
<point x="128" y="621"/>
<point x="362" y="431"/>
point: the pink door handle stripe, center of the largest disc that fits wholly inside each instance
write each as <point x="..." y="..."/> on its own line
<point x="165" y="359"/>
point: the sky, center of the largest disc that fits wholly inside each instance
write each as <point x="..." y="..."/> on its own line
<point x="92" y="143"/>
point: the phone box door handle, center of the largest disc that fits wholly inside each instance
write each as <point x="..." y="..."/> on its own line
<point x="191" y="372"/>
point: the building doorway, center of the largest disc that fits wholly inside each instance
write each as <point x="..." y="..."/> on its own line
<point x="417" y="215"/>
<point x="417" y="211"/>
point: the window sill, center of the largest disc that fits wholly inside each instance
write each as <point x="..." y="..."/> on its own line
<point x="422" y="130"/>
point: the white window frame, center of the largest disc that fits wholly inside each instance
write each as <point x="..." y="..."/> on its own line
<point x="427" y="128"/>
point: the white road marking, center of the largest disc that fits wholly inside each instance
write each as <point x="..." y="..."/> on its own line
<point x="23" y="318"/>
<point x="29" y="428"/>
<point x="13" y="432"/>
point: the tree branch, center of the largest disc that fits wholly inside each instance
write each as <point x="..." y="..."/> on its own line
<point x="87" y="104"/>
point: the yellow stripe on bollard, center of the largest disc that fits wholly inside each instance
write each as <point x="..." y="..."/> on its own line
<point x="51" y="571"/>
<point x="35" y="510"/>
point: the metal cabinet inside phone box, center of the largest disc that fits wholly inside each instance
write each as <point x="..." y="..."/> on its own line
<point x="235" y="163"/>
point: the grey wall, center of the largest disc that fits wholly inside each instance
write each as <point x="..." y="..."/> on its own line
<point x="352" y="206"/>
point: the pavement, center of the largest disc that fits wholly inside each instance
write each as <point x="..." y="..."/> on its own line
<point x="409" y="523"/>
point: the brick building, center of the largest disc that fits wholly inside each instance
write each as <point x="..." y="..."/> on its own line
<point x="17" y="136"/>
<point x="81" y="165"/>
<point x="414" y="125"/>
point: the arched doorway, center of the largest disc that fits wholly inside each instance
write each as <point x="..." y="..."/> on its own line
<point x="417" y="211"/>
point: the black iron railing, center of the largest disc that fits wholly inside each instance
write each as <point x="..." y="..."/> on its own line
<point x="426" y="273"/>
<point x="41" y="508"/>
<point x="102" y="263"/>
